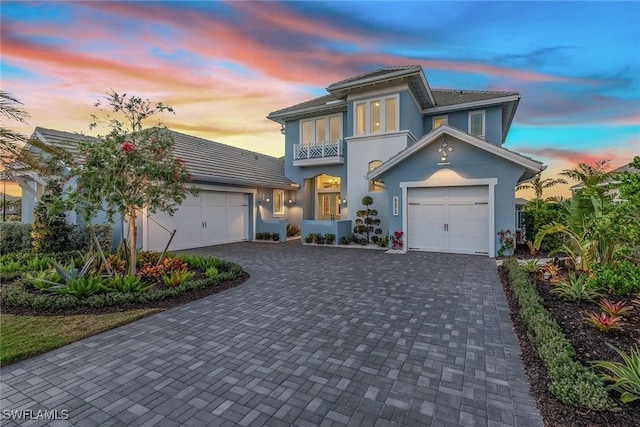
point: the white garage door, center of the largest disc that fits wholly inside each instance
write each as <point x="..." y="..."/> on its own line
<point x="211" y="218"/>
<point x="448" y="219"/>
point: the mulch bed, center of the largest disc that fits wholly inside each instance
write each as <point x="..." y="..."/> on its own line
<point x="164" y="303"/>
<point x="589" y="343"/>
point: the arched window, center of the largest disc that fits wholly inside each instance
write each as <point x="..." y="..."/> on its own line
<point x="374" y="186"/>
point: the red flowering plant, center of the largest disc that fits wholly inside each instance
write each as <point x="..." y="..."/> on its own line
<point x="396" y="240"/>
<point x="132" y="167"/>
<point x="507" y="243"/>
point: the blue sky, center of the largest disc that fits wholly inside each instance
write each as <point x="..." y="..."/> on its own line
<point x="224" y="66"/>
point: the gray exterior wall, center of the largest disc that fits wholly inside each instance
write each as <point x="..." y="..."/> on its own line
<point x="410" y="115"/>
<point x="468" y="162"/>
<point x="460" y="120"/>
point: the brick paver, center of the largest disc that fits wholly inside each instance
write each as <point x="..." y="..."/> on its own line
<point x="317" y="336"/>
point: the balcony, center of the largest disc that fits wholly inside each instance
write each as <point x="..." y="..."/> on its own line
<point x="318" y="153"/>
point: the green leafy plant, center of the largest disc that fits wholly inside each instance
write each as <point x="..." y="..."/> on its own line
<point x="383" y="242"/>
<point x="49" y="230"/>
<point x="127" y="283"/>
<point x="14" y="236"/>
<point x="553" y="271"/>
<point x="38" y="264"/>
<point x="576" y="289"/>
<point x="309" y="238"/>
<point x="532" y="247"/>
<point x="68" y="274"/>
<point x="81" y="287"/>
<point x="619" y="308"/>
<point x="625" y="376"/>
<point x="177" y="278"/>
<point x="275" y="237"/>
<point x="11" y="267"/>
<point x="293" y="230"/>
<point x="367" y="225"/>
<point x="319" y="239"/>
<point x="329" y="238"/>
<point x="211" y="272"/>
<point x="531" y="266"/>
<point x="622" y="278"/>
<point x="43" y="280"/>
<point x="604" y="322"/>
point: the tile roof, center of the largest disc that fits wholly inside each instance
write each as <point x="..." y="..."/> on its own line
<point x="375" y="73"/>
<point x="315" y="102"/>
<point x="210" y="162"/>
<point x="445" y="97"/>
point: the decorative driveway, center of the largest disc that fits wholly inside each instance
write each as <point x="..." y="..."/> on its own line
<point x="317" y="336"/>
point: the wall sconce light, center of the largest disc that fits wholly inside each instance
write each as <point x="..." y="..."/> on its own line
<point x="444" y="151"/>
<point x="292" y="198"/>
<point x="264" y="199"/>
<point x="283" y="130"/>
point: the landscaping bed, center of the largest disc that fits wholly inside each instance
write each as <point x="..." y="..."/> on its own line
<point x="589" y="344"/>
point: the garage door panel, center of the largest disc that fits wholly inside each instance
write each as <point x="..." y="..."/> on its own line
<point x="425" y="227"/>
<point x="212" y="217"/>
<point x="449" y="219"/>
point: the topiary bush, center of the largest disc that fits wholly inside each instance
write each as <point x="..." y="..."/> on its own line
<point x="621" y="278"/>
<point x="14" y="236"/>
<point x="367" y="223"/>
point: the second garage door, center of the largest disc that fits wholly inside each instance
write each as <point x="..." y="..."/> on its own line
<point x="211" y="218"/>
<point x="448" y="219"/>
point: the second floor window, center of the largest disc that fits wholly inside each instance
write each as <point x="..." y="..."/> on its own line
<point x="321" y="129"/>
<point x="439" y="121"/>
<point x="376" y="115"/>
<point x="476" y="123"/>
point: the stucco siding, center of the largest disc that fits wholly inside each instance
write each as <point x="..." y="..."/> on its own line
<point x="466" y="162"/>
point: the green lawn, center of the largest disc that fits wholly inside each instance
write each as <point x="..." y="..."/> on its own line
<point x="22" y="337"/>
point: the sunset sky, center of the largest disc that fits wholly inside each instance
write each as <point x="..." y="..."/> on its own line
<point x="224" y="66"/>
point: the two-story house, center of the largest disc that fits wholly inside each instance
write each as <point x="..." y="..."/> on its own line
<point x="431" y="159"/>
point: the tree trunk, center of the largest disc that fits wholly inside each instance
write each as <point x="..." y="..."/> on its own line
<point x="132" y="241"/>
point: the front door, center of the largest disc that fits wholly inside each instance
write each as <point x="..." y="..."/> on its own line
<point x="329" y="206"/>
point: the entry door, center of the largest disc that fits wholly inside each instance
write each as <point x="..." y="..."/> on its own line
<point x="329" y="206"/>
<point x="448" y="219"/>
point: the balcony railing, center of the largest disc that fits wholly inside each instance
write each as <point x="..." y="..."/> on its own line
<point x="318" y="150"/>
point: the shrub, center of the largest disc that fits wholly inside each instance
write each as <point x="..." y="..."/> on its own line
<point x="329" y="238"/>
<point x="531" y="267"/>
<point x="14" y="236"/>
<point x="348" y="239"/>
<point x="576" y="289"/>
<point x="81" y="287"/>
<point x="80" y="236"/>
<point x="309" y="238"/>
<point x="319" y="239"/>
<point x="507" y="243"/>
<point x="177" y="278"/>
<point x="571" y="383"/>
<point x="275" y="237"/>
<point x="127" y="283"/>
<point x="367" y="223"/>
<point x="50" y="231"/>
<point x="536" y="218"/>
<point x="624" y="376"/>
<point x="293" y="230"/>
<point x="211" y="272"/>
<point x="622" y="278"/>
<point x="396" y="242"/>
<point x="263" y="236"/>
<point x="619" y="308"/>
<point x="605" y="322"/>
<point x="383" y="242"/>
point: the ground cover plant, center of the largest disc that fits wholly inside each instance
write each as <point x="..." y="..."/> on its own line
<point x="71" y="283"/>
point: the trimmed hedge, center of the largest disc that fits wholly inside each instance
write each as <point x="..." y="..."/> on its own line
<point x="572" y="383"/>
<point x="16" y="294"/>
<point x="14" y="237"/>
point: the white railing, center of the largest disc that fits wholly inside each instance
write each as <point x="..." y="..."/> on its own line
<point x="316" y="150"/>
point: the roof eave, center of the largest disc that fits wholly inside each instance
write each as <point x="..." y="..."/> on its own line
<point x="318" y="109"/>
<point x="339" y="90"/>
<point x="473" y="104"/>
<point x="530" y="165"/>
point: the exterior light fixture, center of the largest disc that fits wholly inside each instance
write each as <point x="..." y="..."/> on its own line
<point x="444" y="151"/>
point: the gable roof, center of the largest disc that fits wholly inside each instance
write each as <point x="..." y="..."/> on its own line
<point x="326" y="104"/>
<point x="208" y="161"/>
<point x="531" y="166"/>
<point x="448" y="97"/>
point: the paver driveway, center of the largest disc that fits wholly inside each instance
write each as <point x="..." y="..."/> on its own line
<point x="317" y="336"/>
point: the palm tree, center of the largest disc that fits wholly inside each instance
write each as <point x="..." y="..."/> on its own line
<point x="538" y="185"/>
<point x="13" y="156"/>
<point x="588" y="175"/>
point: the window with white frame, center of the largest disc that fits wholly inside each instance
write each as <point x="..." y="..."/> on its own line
<point x="476" y="123"/>
<point x="439" y="121"/>
<point x="376" y="115"/>
<point x="278" y="202"/>
<point x="374" y="186"/>
<point x="321" y="129"/>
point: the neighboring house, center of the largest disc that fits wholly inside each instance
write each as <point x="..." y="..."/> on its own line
<point x="520" y="231"/>
<point x="613" y="192"/>
<point x="431" y="159"/>
<point x="243" y="192"/>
